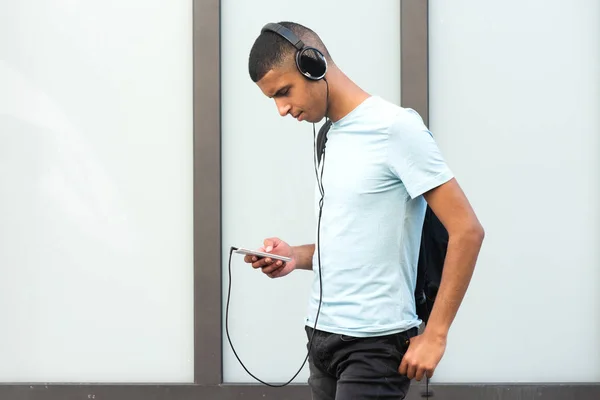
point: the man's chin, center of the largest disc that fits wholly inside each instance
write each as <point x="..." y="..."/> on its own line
<point x="312" y="120"/>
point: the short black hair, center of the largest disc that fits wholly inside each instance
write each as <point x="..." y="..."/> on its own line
<point x="271" y="50"/>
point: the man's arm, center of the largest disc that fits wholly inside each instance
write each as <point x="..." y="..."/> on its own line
<point x="465" y="237"/>
<point x="303" y="256"/>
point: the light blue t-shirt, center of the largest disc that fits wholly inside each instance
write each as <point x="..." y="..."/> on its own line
<point x="379" y="160"/>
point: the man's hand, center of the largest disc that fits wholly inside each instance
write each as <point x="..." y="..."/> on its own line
<point x="269" y="266"/>
<point x="423" y="356"/>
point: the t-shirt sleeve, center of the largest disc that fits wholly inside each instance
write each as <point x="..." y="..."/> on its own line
<point x="413" y="155"/>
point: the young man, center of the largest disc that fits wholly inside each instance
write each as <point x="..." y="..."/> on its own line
<point x="380" y="169"/>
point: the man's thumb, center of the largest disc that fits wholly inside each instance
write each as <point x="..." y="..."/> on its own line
<point x="270" y="243"/>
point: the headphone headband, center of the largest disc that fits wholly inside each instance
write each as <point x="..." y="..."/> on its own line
<point x="285" y="33"/>
<point x="310" y="61"/>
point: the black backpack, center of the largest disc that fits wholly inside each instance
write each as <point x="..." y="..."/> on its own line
<point x="432" y="252"/>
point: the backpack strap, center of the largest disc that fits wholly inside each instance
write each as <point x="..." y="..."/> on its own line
<point x="322" y="139"/>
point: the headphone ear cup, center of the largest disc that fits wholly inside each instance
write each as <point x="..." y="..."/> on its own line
<point x="311" y="63"/>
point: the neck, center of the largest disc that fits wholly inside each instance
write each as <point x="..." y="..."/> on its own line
<point x="344" y="95"/>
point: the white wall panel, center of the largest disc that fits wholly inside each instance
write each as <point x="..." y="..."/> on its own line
<point x="96" y="255"/>
<point x="515" y="100"/>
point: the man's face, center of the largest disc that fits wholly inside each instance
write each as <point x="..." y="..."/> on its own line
<point x="294" y="94"/>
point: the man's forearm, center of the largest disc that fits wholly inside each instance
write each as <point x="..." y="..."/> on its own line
<point x="461" y="256"/>
<point x="303" y="256"/>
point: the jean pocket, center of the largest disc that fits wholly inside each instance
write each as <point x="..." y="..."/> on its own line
<point x="403" y="339"/>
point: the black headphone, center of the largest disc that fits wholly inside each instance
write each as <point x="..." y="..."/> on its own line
<point x="310" y="61"/>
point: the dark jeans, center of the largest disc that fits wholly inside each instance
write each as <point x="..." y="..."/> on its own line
<point x="350" y="368"/>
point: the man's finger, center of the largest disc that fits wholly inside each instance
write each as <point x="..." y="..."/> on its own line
<point x="403" y="367"/>
<point x="419" y="374"/>
<point x="268" y="244"/>
<point x="262" y="262"/>
<point x="273" y="267"/>
<point x="277" y="273"/>
<point x="411" y="372"/>
<point x="253" y="259"/>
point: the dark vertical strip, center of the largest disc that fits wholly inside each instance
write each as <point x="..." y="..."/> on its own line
<point x="207" y="193"/>
<point x="414" y="84"/>
<point x="414" y="56"/>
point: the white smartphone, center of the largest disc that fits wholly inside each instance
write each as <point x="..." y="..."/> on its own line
<point x="260" y="254"/>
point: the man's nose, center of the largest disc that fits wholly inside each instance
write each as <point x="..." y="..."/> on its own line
<point x="283" y="108"/>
